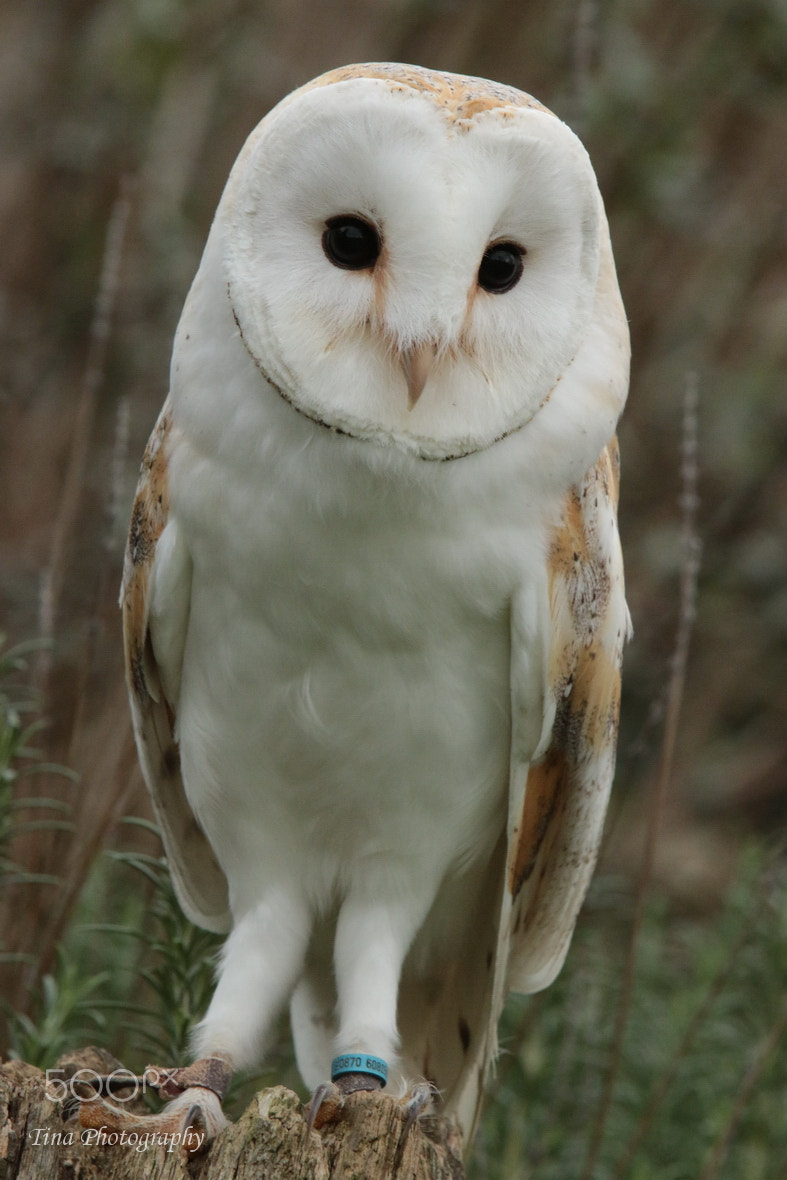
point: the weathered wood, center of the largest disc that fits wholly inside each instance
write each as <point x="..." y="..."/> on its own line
<point x="368" y="1141"/>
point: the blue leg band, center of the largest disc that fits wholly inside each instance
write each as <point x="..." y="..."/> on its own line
<point x="359" y="1063"/>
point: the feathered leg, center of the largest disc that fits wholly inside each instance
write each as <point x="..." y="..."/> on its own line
<point x="373" y="936"/>
<point x="261" y="961"/>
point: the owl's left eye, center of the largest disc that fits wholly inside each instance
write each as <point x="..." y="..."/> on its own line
<point x="351" y="243"/>
<point x="501" y="267"/>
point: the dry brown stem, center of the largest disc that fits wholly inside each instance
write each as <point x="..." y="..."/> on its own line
<point x="68" y="511"/>
<point x="690" y="545"/>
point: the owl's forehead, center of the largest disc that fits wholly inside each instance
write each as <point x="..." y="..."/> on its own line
<point x="459" y="97"/>
<point x="392" y="135"/>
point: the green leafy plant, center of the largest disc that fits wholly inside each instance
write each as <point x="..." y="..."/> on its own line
<point x="63" y="1011"/>
<point x="175" y="960"/>
<point x="66" y="1014"/>
<point x="19" y="758"/>
<point x="699" y="1083"/>
<point x="169" y="969"/>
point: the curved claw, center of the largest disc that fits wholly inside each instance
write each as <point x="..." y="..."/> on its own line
<point x="328" y="1099"/>
<point x="324" y="1106"/>
<point x="69" y="1107"/>
<point x="418" y="1100"/>
<point x="195" y="1130"/>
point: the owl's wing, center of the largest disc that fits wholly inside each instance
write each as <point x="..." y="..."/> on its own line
<point x="558" y="803"/>
<point x="154" y="599"/>
<point x="565" y="696"/>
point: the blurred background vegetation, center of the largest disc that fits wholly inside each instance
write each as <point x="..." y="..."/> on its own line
<point x="120" y="121"/>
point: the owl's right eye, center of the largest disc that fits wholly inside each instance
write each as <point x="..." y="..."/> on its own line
<point x="351" y="243"/>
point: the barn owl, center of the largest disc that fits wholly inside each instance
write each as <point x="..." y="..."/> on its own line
<point x="373" y="594"/>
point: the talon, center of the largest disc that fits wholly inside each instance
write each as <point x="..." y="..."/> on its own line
<point x="195" y="1117"/>
<point x="69" y="1107"/>
<point x="195" y="1125"/>
<point x="419" y="1100"/>
<point x="324" y="1106"/>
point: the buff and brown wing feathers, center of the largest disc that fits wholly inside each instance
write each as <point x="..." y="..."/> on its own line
<point x="555" y="844"/>
<point x="199" y="882"/>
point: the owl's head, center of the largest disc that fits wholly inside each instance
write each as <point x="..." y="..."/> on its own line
<point x="415" y="258"/>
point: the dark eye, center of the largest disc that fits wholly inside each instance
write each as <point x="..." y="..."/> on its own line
<point x="501" y="267"/>
<point x="351" y="242"/>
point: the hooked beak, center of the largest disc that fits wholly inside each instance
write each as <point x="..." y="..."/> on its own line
<point x="417" y="363"/>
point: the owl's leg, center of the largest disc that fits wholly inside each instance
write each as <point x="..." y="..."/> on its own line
<point x="261" y="960"/>
<point x="373" y="937"/>
<point x="313" y="1022"/>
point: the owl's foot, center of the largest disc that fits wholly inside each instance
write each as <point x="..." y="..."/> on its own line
<point x="189" y="1121"/>
<point x="327" y="1101"/>
<point x="349" y="1074"/>
<point x="417" y="1102"/>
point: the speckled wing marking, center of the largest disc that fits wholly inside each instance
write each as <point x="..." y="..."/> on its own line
<point x="199" y="882"/>
<point x="554" y="845"/>
<point x="461" y="97"/>
<point x="148" y="518"/>
<point x="535" y="885"/>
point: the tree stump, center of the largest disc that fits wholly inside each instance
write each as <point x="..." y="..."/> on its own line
<point x="368" y="1141"/>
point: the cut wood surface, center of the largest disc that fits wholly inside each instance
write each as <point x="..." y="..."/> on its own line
<point x="368" y="1140"/>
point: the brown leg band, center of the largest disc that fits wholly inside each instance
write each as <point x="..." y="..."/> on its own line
<point x="212" y="1073"/>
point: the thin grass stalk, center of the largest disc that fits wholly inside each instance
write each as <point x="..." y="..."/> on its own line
<point x="118" y="507"/>
<point x="715" y="989"/>
<point x="51" y="920"/>
<point x="583" y="54"/>
<point x="691" y="549"/>
<point x="92" y="380"/>
<point x="720" y="1150"/>
<point x="116" y="769"/>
